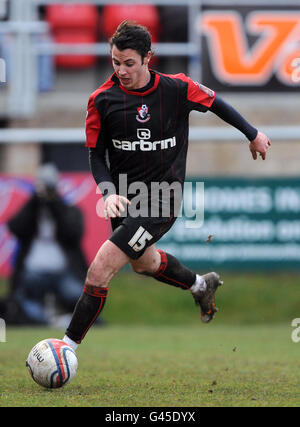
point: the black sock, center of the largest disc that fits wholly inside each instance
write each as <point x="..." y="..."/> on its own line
<point x="172" y="272"/>
<point x="87" y="309"/>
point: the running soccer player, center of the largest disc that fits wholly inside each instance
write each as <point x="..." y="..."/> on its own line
<point x="139" y="118"/>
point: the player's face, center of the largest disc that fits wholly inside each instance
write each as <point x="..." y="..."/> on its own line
<point x="127" y="63"/>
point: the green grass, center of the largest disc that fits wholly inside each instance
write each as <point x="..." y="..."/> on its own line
<point x="243" y="299"/>
<point x="204" y="365"/>
<point x="154" y="350"/>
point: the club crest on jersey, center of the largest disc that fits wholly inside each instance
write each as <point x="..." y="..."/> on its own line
<point x="143" y="115"/>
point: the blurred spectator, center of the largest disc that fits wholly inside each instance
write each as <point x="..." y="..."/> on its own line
<point x="49" y="260"/>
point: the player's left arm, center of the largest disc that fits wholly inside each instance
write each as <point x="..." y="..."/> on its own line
<point x="258" y="142"/>
<point x="259" y="145"/>
<point x="202" y="99"/>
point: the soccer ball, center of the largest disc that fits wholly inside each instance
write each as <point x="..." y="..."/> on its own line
<point x="52" y="363"/>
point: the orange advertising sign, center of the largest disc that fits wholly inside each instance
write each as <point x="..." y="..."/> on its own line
<point x="274" y="50"/>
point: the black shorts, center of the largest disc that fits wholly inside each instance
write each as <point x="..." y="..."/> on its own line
<point x="134" y="235"/>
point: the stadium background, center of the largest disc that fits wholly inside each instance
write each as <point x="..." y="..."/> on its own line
<point x="248" y="52"/>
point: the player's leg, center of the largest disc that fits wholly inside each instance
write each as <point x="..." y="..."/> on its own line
<point x="165" y="268"/>
<point x="108" y="261"/>
<point x="137" y="237"/>
<point x="148" y="263"/>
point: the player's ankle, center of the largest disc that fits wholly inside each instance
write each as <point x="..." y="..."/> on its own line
<point x="70" y="342"/>
<point x="199" y="285"/>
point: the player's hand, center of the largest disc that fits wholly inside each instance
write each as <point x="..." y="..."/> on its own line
<point x="114" y="205"/>
<point x="259" y="145"/>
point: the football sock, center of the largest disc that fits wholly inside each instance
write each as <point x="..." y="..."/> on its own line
<point x="199" y="285"/>
<point x="87" y="309"/>
<point x="70" y="342"/>
<point x="172" y="272"/>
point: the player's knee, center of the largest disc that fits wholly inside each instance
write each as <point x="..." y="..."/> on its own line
<point x="148" y="270"/>
<point x="139" y="269"/>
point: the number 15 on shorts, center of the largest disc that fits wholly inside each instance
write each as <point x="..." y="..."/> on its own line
<point x="139" y="239"/>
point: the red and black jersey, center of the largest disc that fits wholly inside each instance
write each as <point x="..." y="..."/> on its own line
<point x="145" y="131"/>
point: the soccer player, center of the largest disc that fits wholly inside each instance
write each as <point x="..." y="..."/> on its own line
<point x="137" y="129"/>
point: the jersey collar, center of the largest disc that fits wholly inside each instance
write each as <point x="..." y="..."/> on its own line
<point x="139" y="93"/>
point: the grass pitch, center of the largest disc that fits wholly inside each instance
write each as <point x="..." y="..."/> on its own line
<point x="154" y="351"/>
<point x="137" y="366"/>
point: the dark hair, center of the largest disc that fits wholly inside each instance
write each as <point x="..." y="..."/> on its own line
<point x="130" y="35"/>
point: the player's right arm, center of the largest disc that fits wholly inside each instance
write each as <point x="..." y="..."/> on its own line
<point x="114" y="203"/>
<point x="95" y="141"/>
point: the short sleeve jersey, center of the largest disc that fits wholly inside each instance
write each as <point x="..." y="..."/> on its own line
<point x="145" y="132"/>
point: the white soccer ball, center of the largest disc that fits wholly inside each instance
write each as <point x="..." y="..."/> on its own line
<point x="52" y="363"/>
